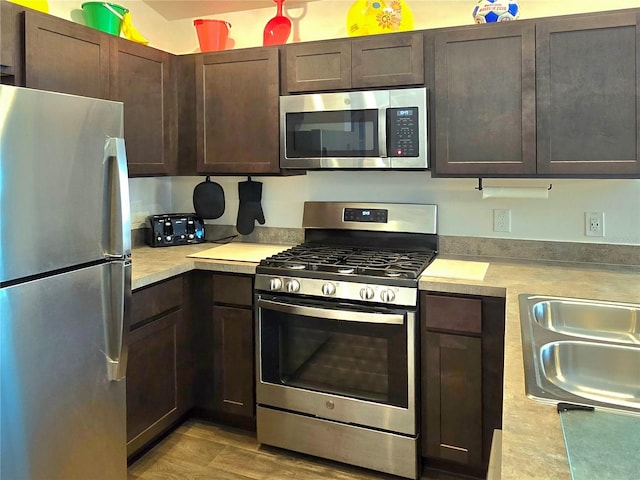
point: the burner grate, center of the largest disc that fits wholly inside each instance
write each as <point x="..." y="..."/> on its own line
<point x="352" y="260"/>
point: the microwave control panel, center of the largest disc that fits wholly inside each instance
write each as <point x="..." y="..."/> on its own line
<point x="402" y="132"/>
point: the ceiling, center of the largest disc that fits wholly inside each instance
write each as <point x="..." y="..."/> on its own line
<point x="180" y="9"/>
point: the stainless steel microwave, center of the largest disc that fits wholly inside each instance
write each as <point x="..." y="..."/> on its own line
<point x="377" y="129"/>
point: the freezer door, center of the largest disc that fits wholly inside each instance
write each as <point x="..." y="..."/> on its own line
<point x="61" y="417"/>
<point x="60" y="183"/>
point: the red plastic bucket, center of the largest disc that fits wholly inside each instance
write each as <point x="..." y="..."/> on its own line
<point x="212" y="34"/>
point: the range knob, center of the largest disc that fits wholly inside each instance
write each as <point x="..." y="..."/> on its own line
<point x="292" y="286"/>
<point x="275" y="284"/>
<point x="366" y="293"/>
<point x="328" y="289"/>
<point x="387" y="296"/>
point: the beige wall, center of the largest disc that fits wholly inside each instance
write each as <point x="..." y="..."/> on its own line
<point x="315" y="20"/>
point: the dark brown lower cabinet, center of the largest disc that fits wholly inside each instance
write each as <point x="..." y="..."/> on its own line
<point x="225" y="346"/>
<point x="462" y="341"/>
<point x="160" y="365"/>
<point x="233" y="364"/>
<point x="453" y="398"/>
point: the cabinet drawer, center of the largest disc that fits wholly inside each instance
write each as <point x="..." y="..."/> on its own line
<point x="156" y="299"/>
<point x="454" y="314"/>
<point x="233" y="290"/>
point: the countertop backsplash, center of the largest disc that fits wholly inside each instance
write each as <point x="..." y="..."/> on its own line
<point x="588" y="253"/>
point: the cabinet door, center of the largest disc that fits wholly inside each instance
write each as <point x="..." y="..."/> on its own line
<point x="66" y="57"/>
<point x="151" y="376"/>
<point x="485" y="101"/>
<point x="237" y="109"/>
<point x="318" y="66"/>
<point x="452" y="398"/>
<point x="142" y="78"/>
<point x="9" y="14"/>
<point x="387" y="60"/>
<point x="587" y="85"/>
<point x="234" y="376"/>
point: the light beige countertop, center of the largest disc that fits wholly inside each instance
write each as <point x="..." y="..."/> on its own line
<point x="532" y="441"/>
<point x="151" y="265"/>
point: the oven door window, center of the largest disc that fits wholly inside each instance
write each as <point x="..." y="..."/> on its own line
<point x="346" y="133"/>
<point x="362" y="360"/>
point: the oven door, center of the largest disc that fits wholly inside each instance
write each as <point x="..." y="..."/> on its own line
<point x="344" y="362"/>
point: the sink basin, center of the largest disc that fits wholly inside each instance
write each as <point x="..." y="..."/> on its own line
<point x="581" y="351"/>
<point x="603" y="373"/>
<point x="615" y="322"/>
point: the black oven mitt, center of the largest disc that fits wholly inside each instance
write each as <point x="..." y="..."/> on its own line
<point x="250" y="209"/>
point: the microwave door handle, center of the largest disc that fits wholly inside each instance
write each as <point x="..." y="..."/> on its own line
<point x="383" y="131"/>
<point x="343" y="315"/>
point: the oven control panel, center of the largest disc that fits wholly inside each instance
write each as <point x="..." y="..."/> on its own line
<point x="369" y="215"/>
<point x="389" y="295"/>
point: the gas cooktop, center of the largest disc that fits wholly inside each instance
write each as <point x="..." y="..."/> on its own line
<point x="365" y="252"/>
<point x="348" y="260"/>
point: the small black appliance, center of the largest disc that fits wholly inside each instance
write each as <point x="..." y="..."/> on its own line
<point x="174" y="229"/>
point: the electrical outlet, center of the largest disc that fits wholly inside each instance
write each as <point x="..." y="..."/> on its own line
<point x="594" y="224"/>
<point x="501" y="220"/>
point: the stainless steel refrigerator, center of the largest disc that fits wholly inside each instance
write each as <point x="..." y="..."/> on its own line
<point x="65" y="286"/>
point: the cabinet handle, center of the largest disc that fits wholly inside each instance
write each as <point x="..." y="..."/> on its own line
<point x="240" y="404"/>
<point x="452" y="447"/>
<point x="346" y="315"/>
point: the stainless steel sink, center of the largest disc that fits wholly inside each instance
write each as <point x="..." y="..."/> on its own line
<point x="581" y="351"/>
<point x="615" y="322"/>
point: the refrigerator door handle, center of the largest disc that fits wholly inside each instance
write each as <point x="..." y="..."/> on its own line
<point x="120" y="216"/>
<point x="118" y="320"/>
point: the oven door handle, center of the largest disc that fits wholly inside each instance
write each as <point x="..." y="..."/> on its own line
<point x="348" y="316"/>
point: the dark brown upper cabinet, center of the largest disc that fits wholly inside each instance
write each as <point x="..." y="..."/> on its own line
<point x="485" y="101"/>
<point x="587" y="82"/>
<point x="387" y="60"/>
<point x="65" y="57"/>
<point x="237" y="105"/>
<point x="555" y="97"/>
<point x="373" y="61"/>
<point x="9" y="41"/>
<point x="142" y="78"/>
<point x="317" y="66"/>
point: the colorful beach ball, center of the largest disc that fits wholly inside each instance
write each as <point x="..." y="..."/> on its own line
<point x="487" y="11"/>
<point x="367" y="17"/>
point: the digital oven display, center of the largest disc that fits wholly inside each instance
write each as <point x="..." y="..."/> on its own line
<point x="368" y="215"/>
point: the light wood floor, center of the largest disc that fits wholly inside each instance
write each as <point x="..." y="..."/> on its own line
<point x="198" y="450"/>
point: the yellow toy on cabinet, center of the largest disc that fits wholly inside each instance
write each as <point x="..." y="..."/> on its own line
<point x="368" y="17"/>
<point x="40" y="5"/>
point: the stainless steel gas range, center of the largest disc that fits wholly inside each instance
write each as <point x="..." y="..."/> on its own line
<point x="337" y="335"/>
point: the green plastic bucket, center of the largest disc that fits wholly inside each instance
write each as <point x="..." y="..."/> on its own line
<point x="98" y="15"/>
